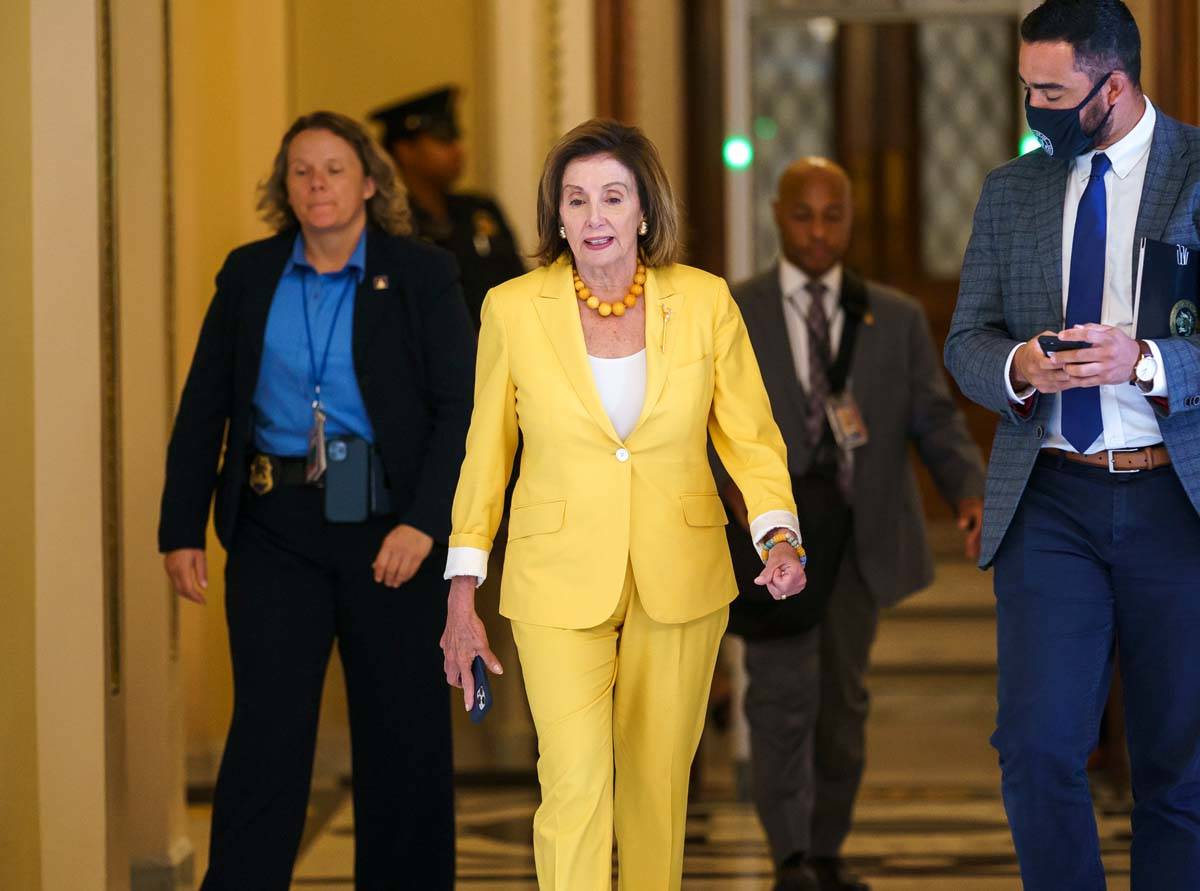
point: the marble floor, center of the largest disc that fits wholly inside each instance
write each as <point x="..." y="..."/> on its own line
<point x="930" y="816"/>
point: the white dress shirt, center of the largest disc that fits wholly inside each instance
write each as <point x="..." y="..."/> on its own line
<point x="796" y="301"/>
<point x="1129" y="420"/>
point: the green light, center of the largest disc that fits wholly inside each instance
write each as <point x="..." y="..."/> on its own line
<point x="738" y="153"/>
<point x="1029" y="143"/>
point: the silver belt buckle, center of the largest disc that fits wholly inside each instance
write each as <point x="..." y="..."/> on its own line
<point x="1112" y="469"/>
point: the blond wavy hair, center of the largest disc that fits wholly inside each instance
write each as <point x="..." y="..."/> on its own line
<point x="387" y="208"/>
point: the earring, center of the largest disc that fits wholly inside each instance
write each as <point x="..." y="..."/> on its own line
<point x="643" y="229"/>
<point x="562" y="231"/>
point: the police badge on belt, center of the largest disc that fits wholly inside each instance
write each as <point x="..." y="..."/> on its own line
<point x="262" y="475"/>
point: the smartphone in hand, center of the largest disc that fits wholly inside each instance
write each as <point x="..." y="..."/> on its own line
<point x="1051" y="344"/>
<point x="483" y="691"/>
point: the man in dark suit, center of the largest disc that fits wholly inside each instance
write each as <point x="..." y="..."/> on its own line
<point x="1094" y="481"/>
<point x="831" y="344"/>
<point x="421" y="134"/>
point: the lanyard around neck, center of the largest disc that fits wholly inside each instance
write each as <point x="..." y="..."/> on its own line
<point x="318" y="372"/>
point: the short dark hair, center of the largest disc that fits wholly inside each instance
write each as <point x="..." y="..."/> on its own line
<point x="661" y="245"/>
<point x="1103" y="34"/>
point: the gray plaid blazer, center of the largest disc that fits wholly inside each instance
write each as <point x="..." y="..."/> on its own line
<point x="1011" y="289"/>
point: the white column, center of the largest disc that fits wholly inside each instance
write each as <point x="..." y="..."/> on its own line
<point x="660" y="96"/>
<point x="79" y="733"/>
<point x="520" y="71"/>
<point x="160" y="851"/>
<point x="575" y="62"/>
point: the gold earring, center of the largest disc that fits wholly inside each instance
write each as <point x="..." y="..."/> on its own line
<point x="643" y="229"/>
<point x="562" y="231"/>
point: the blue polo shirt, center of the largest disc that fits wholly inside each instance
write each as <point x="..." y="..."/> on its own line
<point x="284" y="394"/>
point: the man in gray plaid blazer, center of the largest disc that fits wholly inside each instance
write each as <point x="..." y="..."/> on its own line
<point x="1091" y="508"/>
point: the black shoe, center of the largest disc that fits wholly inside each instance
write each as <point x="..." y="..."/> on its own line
<point x="796" y="877"/>
<point x="832" y="875"/>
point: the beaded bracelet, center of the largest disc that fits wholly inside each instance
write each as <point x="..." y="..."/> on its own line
<point x="780" y="537"/>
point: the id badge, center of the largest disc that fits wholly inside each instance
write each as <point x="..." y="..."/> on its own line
<point x="846" y="421"/>
<point x="314" y="469"/>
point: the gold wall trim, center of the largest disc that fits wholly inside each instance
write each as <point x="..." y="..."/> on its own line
<point x="110" y="336"/>
<point x="170" y="316"/>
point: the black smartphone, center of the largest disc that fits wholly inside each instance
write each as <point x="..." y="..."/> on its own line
<point x="1051" y="344"/>
<point x="347" y="480"/>
<point x="483" y="691"/>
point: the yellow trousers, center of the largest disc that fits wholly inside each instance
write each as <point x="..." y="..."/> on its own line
<point x="627" y="697"/>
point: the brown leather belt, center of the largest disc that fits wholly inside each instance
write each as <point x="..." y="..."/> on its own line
<point x="1120" y="460"/>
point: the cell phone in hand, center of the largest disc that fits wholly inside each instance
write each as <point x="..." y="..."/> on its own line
<point x="483" y="691"/>
<point x="1051" y="344"/>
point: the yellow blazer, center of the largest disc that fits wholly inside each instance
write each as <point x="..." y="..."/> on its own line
<point x="587" y="504"/>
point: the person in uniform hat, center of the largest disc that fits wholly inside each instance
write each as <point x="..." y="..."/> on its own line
<point x="424" y="140"/>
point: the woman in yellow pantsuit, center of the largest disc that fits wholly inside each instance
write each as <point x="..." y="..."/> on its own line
<point x="616" y="364"/>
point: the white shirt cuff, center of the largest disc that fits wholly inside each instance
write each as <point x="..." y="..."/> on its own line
<point x="467" y="561"/>
<point x="1160" y="374"/>
<point x="773" y="519"/>
<point x="1012" y="394"/>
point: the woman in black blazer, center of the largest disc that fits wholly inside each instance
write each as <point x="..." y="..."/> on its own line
<point x="338" y="343"/>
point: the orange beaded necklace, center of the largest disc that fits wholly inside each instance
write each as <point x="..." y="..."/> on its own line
<point x="617" y="307"/>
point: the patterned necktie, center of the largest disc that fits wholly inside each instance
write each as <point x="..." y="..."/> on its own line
<point x="1081" y="421"/>
<point x="818" y="362"/>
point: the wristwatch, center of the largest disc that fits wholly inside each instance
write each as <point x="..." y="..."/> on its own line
<point x="1145" y="369"/>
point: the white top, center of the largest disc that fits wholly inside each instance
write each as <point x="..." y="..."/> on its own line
<point x="621" y="383"/>
<point x="1129" y="420"/>
<point x="796" y="299"/>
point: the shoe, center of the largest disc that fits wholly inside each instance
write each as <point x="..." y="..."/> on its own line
<point x="796" y="877"/>
<point x="832" y="875"/>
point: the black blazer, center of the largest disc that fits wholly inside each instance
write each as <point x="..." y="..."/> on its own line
<point x="414" y="356"/>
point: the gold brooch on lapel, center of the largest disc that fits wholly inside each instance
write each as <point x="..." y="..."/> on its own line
<point x="869" y="318"/>
<point x="380" y="283"/>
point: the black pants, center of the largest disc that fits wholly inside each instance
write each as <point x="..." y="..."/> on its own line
<point x="293" y="584"/>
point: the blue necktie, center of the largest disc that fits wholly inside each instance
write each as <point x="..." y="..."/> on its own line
<point x="1081" y="421"/>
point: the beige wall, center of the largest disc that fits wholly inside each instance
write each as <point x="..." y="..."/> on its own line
<point x="355" y="55"/>
<point x="229" y="102"/>
<point x="20" y="865"/>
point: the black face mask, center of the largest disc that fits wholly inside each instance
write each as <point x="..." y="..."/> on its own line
<point x="1059" y="129"/>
